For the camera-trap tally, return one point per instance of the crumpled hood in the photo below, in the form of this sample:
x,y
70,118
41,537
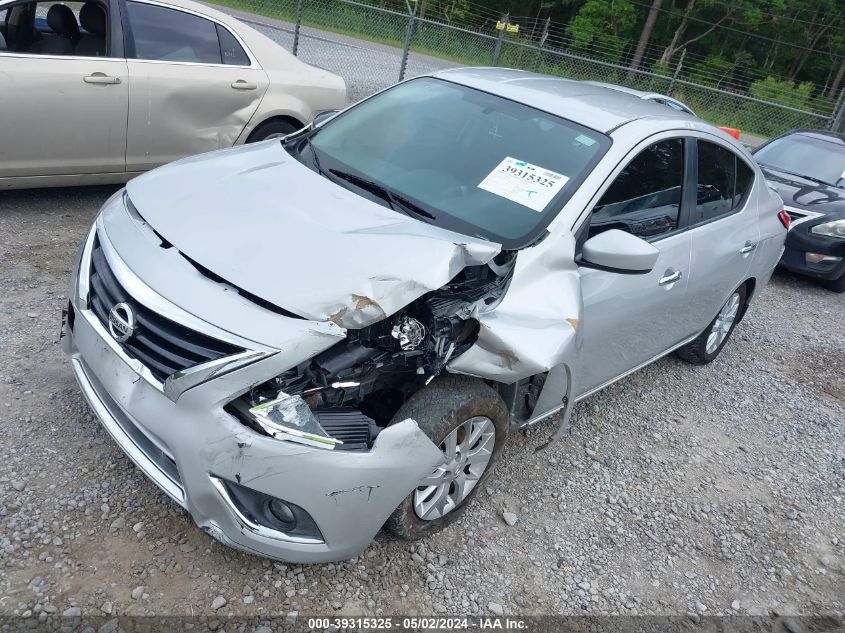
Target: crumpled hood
x,y
267,224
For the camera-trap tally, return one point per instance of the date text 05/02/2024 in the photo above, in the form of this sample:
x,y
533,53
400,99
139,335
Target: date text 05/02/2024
x,y
418,623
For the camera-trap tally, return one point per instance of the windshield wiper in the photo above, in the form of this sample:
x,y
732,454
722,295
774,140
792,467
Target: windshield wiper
x,y
391,197
314,155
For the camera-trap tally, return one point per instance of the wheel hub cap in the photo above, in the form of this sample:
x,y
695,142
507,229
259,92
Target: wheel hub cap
x,y
723,323
467,450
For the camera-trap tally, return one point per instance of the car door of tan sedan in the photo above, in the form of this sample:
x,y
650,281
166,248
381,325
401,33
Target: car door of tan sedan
x,y
62,115
182,99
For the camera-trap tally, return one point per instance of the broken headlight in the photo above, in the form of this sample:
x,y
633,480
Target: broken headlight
x,y
289,417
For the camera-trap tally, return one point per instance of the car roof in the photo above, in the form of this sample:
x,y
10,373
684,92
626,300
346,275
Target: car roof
x,y
593,106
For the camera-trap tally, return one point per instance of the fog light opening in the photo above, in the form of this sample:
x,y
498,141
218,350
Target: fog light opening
x,y
283,514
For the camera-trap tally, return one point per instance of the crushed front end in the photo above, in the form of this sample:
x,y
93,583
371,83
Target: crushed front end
x,y
275,432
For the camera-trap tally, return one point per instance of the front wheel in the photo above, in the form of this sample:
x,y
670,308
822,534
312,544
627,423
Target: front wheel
x,y
706,347
469,422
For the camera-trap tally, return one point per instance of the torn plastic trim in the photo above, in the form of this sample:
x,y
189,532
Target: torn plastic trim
x,y
178,383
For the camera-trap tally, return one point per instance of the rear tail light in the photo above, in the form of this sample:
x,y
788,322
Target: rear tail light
x,y
784,218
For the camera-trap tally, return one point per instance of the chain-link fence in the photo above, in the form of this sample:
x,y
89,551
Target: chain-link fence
x,y
374,43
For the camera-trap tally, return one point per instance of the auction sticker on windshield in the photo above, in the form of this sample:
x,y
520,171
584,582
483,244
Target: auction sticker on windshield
x,y
524,183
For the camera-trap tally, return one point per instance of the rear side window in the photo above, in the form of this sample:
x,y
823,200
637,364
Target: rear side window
x,y
232,52
645,198
724,181
169,35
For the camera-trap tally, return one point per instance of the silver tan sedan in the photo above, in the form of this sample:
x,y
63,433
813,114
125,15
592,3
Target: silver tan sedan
x,y
305,339
102,90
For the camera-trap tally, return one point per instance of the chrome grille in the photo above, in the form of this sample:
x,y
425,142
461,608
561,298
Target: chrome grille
x,y
162,345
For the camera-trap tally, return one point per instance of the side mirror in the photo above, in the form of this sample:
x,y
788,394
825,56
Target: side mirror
x,y
619,252
323,117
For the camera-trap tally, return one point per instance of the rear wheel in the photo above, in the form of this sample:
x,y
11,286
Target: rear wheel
x,y
276,128
469,422
706,347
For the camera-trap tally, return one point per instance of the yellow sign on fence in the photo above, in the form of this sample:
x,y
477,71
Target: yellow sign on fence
x,y
511,28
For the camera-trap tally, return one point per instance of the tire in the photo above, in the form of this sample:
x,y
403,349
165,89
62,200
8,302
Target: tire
x,y
441,410
835,285
696,352
275,128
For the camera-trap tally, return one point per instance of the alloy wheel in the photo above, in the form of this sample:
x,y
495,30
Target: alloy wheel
x,y
468,449
723,323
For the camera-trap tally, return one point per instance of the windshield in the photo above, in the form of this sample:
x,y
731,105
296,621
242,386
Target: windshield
x,y
809,156
460,158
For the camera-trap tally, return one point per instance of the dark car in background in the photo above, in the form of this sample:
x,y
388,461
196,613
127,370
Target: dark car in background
x,y
807,168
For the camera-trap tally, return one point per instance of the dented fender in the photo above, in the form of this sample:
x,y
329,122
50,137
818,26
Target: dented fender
x,y
534,327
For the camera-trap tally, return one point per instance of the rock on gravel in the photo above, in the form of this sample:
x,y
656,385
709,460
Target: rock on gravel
x,y
218,603
510,518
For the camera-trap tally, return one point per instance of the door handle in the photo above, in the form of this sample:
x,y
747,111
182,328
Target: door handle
x,y
100,78
240,84
670,277
748,248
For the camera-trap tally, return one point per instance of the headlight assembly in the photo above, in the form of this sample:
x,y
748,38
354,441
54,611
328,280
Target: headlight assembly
x,y
289,417
830,229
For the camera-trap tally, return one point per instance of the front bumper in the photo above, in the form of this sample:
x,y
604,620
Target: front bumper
x,y
188,445
799,242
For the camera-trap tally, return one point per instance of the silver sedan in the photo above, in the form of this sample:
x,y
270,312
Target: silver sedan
x,y
102,90
305,339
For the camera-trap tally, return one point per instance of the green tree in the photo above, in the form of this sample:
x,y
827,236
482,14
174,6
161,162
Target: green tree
x,y
603,28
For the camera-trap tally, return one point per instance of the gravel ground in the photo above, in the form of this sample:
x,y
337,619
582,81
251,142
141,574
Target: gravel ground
x,y
713,490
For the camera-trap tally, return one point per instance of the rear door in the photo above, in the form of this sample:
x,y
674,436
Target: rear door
x,y
193,85
725,230
61,113
630,319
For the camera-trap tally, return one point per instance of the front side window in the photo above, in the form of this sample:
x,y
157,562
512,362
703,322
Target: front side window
x,y
169,35
645,198
474,162
724,181
3,14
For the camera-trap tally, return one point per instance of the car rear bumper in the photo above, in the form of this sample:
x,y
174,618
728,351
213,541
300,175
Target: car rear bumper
x,y
190,446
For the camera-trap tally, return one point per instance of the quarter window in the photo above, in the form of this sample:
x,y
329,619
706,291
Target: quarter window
x,y
645,198
724,181
175,36
231,51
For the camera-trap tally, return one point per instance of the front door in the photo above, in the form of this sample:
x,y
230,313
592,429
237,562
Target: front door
x,y
630,319
193,86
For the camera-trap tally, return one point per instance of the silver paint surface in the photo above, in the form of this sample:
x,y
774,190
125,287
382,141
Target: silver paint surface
x,y
267,224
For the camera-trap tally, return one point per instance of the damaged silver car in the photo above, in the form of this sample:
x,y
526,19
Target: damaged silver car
x,y
304,340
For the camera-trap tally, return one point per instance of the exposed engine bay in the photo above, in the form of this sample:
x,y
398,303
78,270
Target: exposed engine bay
x,y
356,387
